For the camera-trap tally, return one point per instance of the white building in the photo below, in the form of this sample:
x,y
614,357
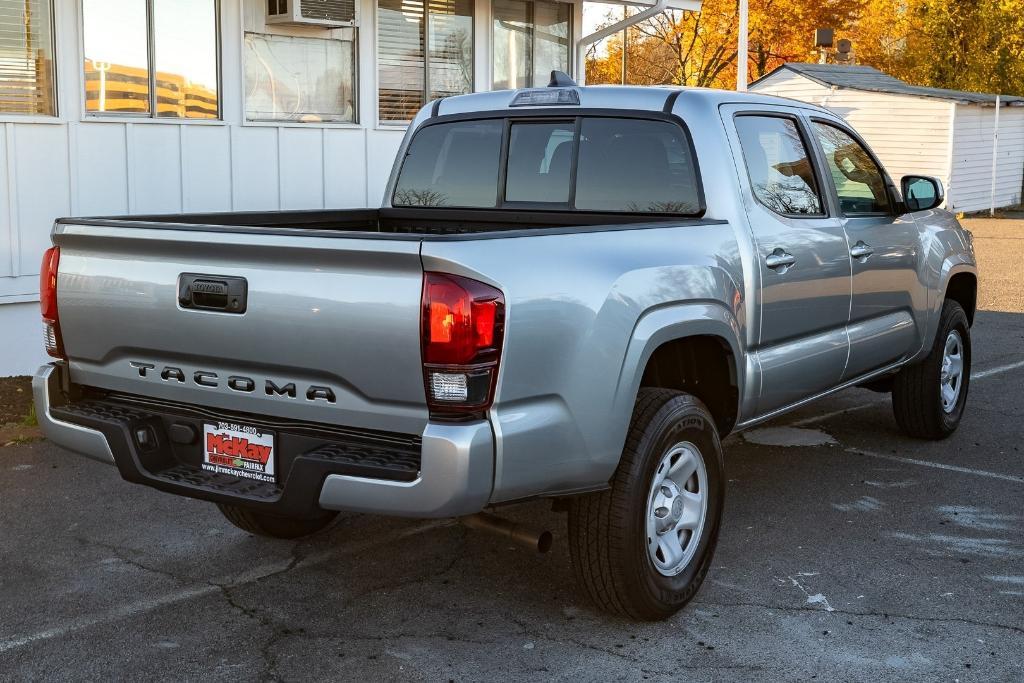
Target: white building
x,y
156,106
943,133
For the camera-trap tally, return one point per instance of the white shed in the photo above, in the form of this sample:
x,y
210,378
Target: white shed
x,y
945,133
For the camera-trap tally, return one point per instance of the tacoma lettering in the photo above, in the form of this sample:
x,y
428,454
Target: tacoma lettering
x,y
239,383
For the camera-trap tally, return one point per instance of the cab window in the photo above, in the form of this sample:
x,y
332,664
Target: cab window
x,y
781,174
860,183
606,164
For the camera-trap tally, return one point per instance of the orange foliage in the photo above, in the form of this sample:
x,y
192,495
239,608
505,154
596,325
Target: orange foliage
x,y
977,45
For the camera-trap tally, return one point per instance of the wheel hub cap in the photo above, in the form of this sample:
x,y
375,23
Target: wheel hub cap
x,y
676,508
951,372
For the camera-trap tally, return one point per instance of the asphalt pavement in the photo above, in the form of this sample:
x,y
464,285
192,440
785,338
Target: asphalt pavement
x,y
848,552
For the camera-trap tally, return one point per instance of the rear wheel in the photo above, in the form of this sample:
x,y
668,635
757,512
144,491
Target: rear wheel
x,y
928,397
274,526
642,548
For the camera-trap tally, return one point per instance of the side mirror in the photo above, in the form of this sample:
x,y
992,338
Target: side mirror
x,y
921,193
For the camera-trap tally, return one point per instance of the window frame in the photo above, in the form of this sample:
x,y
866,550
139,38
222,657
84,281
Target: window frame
x,y
812,157
558,114
532,71
55,117
152,116
395,123
889,186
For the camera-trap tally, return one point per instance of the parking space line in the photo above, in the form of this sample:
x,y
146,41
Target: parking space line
x,y
981,374
937,465
115,614
997,370
204,589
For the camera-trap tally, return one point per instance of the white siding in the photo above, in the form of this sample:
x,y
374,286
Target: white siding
x,y
21,339
909,134
971,186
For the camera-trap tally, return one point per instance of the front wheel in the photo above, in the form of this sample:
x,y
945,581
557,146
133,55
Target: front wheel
x,y
928,397
642,548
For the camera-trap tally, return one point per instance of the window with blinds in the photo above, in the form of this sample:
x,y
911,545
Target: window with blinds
x,y
424,51
26,58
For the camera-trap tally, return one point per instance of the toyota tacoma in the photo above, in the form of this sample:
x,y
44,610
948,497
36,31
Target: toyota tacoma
x,y
570,293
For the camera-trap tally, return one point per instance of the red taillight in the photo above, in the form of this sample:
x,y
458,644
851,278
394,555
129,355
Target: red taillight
x,y
48,283
48,302
462,330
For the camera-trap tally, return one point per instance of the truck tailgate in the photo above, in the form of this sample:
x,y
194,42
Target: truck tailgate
x,y
330,330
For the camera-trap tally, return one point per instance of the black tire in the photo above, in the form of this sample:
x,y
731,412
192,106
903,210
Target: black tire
x,y
607,530
273,526
916,393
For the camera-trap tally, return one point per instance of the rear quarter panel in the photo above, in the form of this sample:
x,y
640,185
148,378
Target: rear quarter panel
x,y
576,337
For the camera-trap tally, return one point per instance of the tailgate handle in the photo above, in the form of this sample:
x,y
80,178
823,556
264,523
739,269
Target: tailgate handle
x,y
212,292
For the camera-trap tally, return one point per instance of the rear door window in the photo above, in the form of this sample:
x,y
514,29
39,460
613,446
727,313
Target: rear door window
x,y
779,166
625,165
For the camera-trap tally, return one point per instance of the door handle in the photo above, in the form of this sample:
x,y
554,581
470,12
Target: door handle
x,y
779,259
212,292
861,250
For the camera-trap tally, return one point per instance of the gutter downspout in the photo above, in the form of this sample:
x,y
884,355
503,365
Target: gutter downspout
x,y
586,41
995,159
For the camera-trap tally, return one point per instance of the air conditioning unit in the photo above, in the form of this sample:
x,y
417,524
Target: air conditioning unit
x,y
323,13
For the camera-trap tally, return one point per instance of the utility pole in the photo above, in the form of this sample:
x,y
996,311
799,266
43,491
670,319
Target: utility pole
x,y
741,48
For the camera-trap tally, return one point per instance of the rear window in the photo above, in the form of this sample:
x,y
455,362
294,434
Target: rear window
x,y
622,165
454,164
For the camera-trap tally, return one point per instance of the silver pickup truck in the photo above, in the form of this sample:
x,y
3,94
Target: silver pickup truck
x,y
570,292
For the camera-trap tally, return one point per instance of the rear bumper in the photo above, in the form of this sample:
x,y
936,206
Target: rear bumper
x,y
446,472
48,393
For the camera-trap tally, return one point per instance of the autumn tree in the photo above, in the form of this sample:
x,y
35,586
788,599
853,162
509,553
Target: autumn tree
x,y
680,48
962,44
782,30
700,48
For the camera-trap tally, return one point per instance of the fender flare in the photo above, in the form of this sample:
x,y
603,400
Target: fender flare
x,y
952,265
668,323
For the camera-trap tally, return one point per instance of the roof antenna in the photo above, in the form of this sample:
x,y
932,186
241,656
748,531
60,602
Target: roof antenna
x,y
560,79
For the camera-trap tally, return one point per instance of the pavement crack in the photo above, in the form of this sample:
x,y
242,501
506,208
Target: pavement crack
x,y
277,629
277,632
125,555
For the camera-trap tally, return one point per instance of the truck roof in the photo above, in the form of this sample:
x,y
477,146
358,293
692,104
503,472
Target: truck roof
x,y
633,98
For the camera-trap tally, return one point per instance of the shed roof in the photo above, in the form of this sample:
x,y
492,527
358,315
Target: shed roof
x,y
871,79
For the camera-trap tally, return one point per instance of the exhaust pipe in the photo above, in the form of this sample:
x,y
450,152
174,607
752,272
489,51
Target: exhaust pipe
x,y
539,541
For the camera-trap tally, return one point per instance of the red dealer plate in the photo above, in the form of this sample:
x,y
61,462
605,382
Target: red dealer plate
x,y
239,450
